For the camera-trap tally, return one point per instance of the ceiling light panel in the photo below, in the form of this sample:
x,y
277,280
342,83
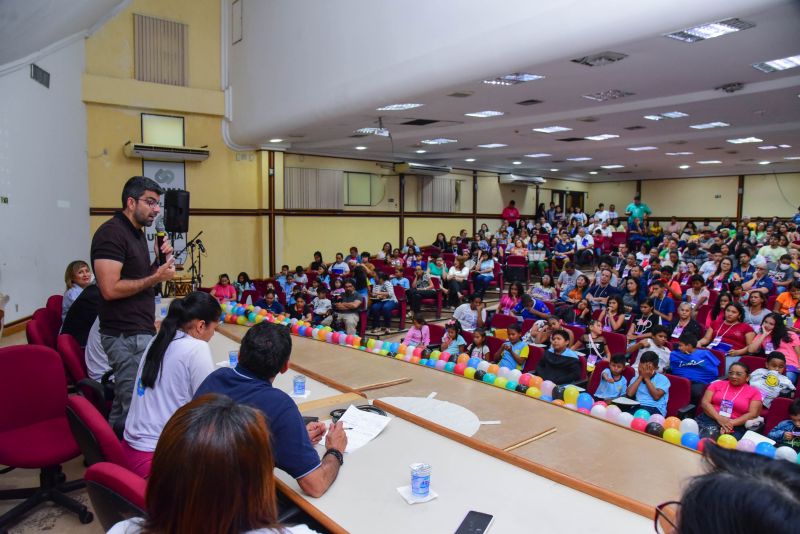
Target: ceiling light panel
x,y
612,166
420,151
513,79
579,159
485,114
642,148
611,94
764,162
382,132
710,30
666,115
792,157
684,166
538,155
438,141
742,140
778,64
552,129
679,153
707,125
601,137
469,160
709,162
492,145
399,107
361,148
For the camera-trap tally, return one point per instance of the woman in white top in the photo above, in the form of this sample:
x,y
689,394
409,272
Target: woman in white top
x,y
174,365
212,473
457,276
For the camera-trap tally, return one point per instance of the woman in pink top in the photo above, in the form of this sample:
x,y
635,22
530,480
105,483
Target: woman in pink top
x,y
510,300
775,337
728,404
419,335
224,290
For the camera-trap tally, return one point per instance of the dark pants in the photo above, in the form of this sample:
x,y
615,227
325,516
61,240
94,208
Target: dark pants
x,y
482,282
454,288
705,422
585,257
381,308
698,388
416,296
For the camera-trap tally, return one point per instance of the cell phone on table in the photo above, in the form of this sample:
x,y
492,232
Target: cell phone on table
x,y
475,523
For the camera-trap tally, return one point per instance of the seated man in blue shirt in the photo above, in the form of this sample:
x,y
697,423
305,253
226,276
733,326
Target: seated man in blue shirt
x,y
270,303
697,365
263,354
650,388
663,305
760,281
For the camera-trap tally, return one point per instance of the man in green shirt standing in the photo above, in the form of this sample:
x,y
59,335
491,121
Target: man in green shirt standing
x,y
637,209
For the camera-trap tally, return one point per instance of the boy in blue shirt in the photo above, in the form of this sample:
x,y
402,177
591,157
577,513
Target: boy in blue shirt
x,y
514,352
699,366
788,432
612,382
650,388
663,305
531,308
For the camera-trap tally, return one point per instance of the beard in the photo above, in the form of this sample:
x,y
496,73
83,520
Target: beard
x,y
143,218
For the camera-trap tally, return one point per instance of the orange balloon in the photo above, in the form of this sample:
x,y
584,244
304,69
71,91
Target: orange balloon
x,y
415,359
402,349
672,422
462,358
536,382
559,402
493,369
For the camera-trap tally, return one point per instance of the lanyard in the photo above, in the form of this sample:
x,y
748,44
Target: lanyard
x,y
726,393
593,345
726,331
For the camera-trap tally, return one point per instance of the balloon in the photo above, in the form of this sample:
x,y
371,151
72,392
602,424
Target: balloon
x,y
435,355
612,412
690,440
440,364
402,348
571,395
581,410
493,369
654,429
469,372
546,387
414,360
503,372
558,392
459,369
786,453
656,418
349,339
703,442
329,337
672,435
478,374
710,432
422,361
765,449
727,441
689,426
522,388
397,356
598,410
745,445
525,379
431,363
489,378
408,357
418,352
511,385
641,414
584,401
500,381
483,366
241,320
546,398
473,362
559,402
672,422
600,403
534,392
639,424
378,344
450,366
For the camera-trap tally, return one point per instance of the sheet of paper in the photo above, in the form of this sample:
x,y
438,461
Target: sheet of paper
x,y
361,427
757,438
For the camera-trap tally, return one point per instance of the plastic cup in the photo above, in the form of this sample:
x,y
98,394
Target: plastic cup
x,y
299,385
420,479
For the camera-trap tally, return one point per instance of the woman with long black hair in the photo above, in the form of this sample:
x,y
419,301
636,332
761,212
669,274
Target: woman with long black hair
x,y
174,365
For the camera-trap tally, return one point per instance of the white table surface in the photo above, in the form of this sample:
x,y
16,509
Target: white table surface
x,y
364,499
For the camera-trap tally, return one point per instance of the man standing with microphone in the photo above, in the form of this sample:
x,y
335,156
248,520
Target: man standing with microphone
x,y
126,279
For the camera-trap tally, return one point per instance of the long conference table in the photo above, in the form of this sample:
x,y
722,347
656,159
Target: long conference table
x,y
538,464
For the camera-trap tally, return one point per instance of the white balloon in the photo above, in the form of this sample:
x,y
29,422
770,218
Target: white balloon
x,y
503,372
689,425
612,412
624,419
515,374
786,453
599,411
483,366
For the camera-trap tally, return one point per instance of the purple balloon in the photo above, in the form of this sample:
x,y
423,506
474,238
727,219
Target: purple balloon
x,y
745,445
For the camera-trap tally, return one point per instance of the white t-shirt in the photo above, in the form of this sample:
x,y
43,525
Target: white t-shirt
x,y
586,241
187,362
770,384
134,526
468,317
96,358
663,355
321,306
453,271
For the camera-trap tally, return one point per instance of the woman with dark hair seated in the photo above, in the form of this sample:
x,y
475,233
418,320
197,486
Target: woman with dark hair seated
x,y
212,473
741,493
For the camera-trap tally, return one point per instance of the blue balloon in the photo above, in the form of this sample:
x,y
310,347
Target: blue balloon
x,y
585,401
301,331
473,362
765,449
423,361
641,414
547,398
431,363
395,347
449,366
690,440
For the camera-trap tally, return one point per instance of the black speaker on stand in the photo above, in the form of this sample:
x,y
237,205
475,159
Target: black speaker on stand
x,y
176,205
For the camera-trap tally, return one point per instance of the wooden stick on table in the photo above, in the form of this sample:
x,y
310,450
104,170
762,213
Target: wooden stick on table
x,y
522,443
380,385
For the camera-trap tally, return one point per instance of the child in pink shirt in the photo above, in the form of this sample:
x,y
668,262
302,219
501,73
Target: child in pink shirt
x,y
419,335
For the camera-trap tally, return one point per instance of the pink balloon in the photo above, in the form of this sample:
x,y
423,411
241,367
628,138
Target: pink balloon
x,y
599,403
547,388
656,418
582,410
746,445
639,424
525,379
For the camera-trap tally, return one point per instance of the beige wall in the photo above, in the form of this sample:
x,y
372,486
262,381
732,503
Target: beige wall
x,y
691,197
768,195
618,193
424,230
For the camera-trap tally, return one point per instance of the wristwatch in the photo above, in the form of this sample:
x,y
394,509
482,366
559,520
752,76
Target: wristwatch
x,y
336,454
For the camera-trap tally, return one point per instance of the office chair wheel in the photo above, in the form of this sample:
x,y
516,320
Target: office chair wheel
x,y
86,517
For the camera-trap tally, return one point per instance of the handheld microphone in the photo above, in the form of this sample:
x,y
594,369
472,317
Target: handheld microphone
x,y
201,246
161,235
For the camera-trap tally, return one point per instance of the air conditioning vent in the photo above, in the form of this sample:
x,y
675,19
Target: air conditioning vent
x,y
419,122
40,75
598,60
571,139
165,153
588,119
714,148
518,179
421,169
529,102
637,127
461,94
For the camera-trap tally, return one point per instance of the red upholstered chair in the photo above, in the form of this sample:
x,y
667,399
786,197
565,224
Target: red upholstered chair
x,y
500,320
494,344
468,337
437,332
535,355
55,304
754,362
72,356
577,331
702,314
618,238
93,433
680,397
37,334
116,493
253,295
51,319
721,357
35,434
599,367
527,324
778,411
617,343
517,263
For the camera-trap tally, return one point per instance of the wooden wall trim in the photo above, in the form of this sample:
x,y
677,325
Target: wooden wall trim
x,y
474,201
402,214
15,326
740,197
271,182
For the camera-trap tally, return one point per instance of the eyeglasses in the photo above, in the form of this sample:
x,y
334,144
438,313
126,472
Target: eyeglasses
x,y
151,202
666,519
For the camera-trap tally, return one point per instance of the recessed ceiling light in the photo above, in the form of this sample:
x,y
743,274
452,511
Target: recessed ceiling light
x,y
592,172
579,159
710,30
707,125
553,170
612,166
399,107
654,117
276,140
768,147
484,114
420,151
552,129
470,160
764,162
601,137
513,79
641,148
361,148
792,157
517,162
611,94
439,141
778,64
709,161
538,155
684,166
679,153
383,132
667,115
784,146
492,145
741,140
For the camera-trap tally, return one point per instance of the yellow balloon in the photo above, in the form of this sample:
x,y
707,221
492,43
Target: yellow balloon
x,y
571,395
673,435
727,441
534,392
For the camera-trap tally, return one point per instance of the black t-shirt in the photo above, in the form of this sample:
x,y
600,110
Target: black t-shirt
x,y
117,239
82,313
